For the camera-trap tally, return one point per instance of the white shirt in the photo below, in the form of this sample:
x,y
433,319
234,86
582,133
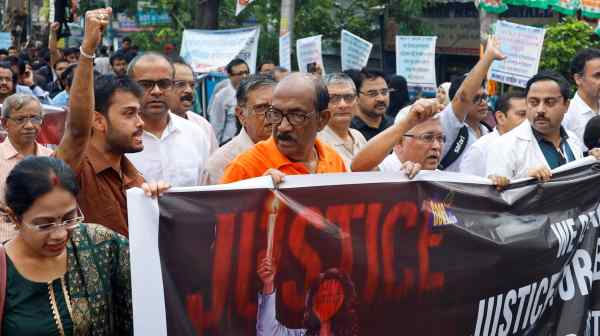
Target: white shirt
x,y
347,150
224,155
221,114
451,126
518,151
209,133
578,115
475,157
178,157
391,164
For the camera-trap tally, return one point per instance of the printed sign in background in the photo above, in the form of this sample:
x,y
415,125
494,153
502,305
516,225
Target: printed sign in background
x,y
309,51
355,51
415,61
442,255
5,40
211,50
522,46
285,56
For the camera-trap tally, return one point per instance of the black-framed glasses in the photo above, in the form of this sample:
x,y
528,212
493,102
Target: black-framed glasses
x,y
428,137
349,98
296,119
375,93
548,101
162,84
482,98
182,84
35,120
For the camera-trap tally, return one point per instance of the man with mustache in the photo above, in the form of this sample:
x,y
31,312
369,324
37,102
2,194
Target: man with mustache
x,y
8,81
173,151
104,123
511,111
253,98
417,140
22,119
118,63
298,112
182,101
540,143
342,104
373,101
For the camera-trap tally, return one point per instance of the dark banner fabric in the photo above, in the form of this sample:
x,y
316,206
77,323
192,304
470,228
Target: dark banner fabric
x,y
389,258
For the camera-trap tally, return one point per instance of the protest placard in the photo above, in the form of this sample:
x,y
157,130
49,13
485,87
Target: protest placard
x,y
5,40
309,53
211,50
444,247
285,56
522,46
415,61
355,51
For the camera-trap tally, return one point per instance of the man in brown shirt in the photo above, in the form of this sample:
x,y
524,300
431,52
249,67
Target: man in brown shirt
x,y
104,123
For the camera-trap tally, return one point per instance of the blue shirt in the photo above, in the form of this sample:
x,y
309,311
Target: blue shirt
x,y
61,99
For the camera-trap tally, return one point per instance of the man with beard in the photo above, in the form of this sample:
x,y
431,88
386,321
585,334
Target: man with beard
x,y
221,112
540,143
417,140
342,103
104,123
254,98
118,64
298,112
173,151
585,69
8,81
462,118
182,101
22,119
373,101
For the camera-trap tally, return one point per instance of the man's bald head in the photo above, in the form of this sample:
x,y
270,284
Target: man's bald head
x,y
149,58
304,81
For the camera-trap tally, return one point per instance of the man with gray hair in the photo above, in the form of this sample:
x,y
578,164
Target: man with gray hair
x,y
253,97
22,119
342,105
173,151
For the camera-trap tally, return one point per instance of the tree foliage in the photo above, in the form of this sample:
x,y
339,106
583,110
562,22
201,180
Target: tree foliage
x,y
562,41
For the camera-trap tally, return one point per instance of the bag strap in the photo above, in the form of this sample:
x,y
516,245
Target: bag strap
x,y
456,149
3,276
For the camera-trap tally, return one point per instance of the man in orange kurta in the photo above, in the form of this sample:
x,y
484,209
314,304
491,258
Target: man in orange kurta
x,y
298,112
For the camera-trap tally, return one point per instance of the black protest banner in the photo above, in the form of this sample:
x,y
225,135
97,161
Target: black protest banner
x,y
412,258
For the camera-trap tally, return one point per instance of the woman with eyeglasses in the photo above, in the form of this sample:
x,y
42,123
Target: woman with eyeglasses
x,y
59,276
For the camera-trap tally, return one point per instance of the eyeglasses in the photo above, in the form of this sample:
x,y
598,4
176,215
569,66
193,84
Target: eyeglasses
x,y
259,110
163,84
335,99
480,99
375,93
548,101
428,137
294,118
241,73
35,120
181,84
68,224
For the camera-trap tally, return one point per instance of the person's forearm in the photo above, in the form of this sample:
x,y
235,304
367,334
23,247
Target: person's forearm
x,y
81,102
375,151
470,86
52,46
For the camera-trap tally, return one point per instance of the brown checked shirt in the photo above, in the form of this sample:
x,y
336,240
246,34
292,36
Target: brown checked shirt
x,y
102,196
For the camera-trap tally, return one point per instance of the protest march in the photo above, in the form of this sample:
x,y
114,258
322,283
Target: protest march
x,y
201,188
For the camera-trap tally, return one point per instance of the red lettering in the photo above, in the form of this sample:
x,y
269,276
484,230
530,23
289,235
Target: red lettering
x,y
427,280
371,235
341,215
245,265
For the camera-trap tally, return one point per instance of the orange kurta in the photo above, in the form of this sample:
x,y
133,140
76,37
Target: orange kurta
x,y
265,154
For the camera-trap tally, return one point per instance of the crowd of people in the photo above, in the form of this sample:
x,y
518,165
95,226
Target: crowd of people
x,y
130,124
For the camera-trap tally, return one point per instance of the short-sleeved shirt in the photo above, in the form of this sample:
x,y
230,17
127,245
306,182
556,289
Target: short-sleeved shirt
x,y
368,131
346,149
265,155
102,189
451,126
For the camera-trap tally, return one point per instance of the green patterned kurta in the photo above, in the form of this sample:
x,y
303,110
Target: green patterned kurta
x,y
99,282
